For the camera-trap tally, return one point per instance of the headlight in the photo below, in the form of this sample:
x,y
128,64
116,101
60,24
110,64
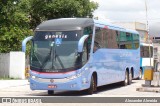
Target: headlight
x,y
74,76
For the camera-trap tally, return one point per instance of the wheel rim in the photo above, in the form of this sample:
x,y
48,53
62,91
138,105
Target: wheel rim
x,y
93,84
126,79
130,78
50,92
140,74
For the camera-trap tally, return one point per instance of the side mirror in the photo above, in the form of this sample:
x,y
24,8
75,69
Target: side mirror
x,y
81,43
24,43
157,67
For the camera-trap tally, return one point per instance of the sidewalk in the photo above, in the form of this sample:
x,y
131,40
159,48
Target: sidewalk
x,y
154,87
12,83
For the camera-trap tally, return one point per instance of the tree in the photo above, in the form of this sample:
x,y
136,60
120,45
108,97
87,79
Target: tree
x,y
18,18
52,9
14,24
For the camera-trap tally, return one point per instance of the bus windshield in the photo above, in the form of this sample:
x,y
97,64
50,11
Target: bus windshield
x,y
54,51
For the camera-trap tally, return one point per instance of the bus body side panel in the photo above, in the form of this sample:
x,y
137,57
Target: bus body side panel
x,y
111,64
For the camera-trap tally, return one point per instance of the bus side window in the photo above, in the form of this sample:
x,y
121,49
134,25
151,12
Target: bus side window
x,y
89,41
99,39
96,46
123,46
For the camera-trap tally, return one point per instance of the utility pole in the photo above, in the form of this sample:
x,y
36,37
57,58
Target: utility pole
x,y
147,25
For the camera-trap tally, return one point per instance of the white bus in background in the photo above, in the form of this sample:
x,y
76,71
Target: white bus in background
x,y
146,57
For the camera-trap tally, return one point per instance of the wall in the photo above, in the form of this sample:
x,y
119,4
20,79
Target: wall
x,y
132,25
129,25
4,64
13,65
17,65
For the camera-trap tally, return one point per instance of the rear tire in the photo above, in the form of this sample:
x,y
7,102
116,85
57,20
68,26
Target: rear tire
x,y
126,81
93,86
50,92
130,78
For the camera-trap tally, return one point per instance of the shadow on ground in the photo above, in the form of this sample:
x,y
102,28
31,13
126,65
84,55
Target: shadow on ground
x,y
80,93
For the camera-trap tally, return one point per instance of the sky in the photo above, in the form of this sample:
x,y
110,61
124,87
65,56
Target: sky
x,y
128,10
131,11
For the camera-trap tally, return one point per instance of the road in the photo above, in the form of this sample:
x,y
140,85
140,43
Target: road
x,y
21,88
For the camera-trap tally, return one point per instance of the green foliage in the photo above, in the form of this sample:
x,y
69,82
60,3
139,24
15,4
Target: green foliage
x,y
14,25
18,18
52,9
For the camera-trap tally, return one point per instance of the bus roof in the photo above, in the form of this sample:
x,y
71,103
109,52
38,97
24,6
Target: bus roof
x,y
114,27
77,24
65,24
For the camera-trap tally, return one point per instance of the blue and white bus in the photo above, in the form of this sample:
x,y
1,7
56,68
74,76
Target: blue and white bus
x,y
146,57
82,54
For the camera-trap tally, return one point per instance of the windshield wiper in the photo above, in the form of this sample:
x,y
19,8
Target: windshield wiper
x,y
60,61
36,55
37,58
47,58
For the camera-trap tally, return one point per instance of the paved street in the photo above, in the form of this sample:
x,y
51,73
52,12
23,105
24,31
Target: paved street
x,y
21,88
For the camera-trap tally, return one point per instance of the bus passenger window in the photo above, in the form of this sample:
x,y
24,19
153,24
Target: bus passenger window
x,y
122,46
96,46
89,41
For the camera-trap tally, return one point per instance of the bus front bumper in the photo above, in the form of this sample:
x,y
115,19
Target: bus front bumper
x,y
76,84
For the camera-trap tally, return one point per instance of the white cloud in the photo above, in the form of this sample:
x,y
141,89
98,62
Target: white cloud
x,y
128,10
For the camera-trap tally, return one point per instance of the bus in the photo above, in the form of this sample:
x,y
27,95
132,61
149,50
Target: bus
x,y
75,54
146,57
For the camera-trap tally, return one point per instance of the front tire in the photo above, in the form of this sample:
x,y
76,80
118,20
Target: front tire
x,y
93,85
50,92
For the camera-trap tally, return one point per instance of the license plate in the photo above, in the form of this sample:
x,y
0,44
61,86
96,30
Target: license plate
x,y
52,86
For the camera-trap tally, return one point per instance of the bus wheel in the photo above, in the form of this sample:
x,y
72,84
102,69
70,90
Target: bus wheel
x,y
140,74
126,81
50,92
130,78
93,85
